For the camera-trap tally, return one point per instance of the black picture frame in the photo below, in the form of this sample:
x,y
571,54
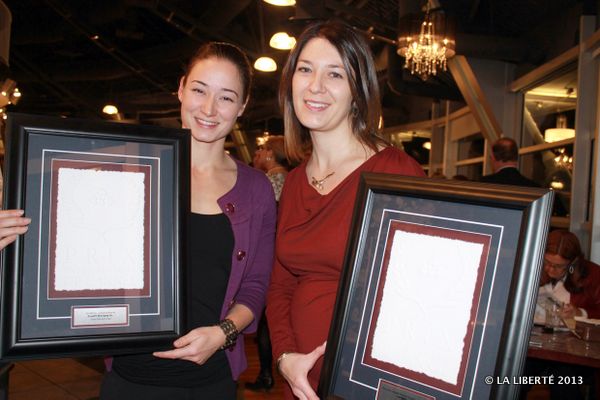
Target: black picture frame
x,y
100,270
403,305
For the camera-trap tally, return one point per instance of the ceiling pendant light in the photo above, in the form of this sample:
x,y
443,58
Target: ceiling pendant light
x,y
265,64
561,132
282,41
110,109
427,51
281,3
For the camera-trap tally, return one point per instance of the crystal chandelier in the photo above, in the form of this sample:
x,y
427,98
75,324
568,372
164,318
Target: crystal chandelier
x,y
427,51
9,95
563,160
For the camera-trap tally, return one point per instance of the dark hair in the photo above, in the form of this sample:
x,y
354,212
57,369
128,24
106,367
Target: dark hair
x,y
505,149
566,245
362,77
224,51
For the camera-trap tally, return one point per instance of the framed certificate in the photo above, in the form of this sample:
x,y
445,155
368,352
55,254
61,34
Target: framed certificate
x,y
438,290
100,270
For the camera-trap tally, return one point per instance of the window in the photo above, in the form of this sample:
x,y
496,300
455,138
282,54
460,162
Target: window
x,y
548,136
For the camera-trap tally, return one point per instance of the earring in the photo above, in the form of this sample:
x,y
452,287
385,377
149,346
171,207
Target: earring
x,y
354,109
572,266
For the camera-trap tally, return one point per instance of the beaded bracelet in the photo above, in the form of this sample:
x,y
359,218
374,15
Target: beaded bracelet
x,y
230,331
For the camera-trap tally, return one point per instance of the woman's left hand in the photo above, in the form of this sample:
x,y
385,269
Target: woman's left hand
x,y
197,346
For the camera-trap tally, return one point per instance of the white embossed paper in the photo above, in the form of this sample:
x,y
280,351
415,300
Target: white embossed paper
x,y
99,230
426,304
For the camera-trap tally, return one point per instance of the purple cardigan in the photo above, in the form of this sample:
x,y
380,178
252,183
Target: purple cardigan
x,y
250,206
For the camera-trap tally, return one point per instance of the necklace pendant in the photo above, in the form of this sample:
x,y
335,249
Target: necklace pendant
x,y
318,183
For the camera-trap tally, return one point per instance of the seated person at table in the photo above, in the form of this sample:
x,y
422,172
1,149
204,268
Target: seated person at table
x,y
568,279
574,282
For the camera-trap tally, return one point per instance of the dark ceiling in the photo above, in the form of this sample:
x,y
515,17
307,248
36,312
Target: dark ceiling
x,y
69,57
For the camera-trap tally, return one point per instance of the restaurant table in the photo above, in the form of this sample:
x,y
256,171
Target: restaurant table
x,y
565,347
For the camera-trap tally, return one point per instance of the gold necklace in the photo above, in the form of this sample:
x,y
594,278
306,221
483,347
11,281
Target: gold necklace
x,y
318,183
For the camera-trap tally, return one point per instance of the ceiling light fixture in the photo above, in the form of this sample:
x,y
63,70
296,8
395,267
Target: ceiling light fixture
x,y
563,160
281,3
553,92
265,64
261,140
428,50
7,90
282,41
9,95
110,109
557,185
561,132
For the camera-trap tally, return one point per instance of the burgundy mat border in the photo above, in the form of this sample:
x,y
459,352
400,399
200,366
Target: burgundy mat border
x,y
102,293
440,232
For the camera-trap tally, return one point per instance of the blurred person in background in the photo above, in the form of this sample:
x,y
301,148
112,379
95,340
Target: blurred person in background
x,y
270,158
505,161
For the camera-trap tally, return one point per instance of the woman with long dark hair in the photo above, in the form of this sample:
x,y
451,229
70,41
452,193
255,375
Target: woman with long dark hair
x,y
330,101
232,227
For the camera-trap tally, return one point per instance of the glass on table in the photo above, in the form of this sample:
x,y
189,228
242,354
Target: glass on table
x,y
553,315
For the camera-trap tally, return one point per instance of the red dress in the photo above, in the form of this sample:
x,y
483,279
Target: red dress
x,y
312,232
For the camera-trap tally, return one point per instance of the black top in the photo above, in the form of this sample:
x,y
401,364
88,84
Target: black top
x,y
210,247
509,176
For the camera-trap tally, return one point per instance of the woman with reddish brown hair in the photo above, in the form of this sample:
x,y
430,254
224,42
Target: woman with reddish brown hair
x,y
568,278
573,282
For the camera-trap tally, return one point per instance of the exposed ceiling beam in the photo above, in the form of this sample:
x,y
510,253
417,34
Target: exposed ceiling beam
x,y
194,28
358,13
108,47
220,14
60,91
503,48
475,98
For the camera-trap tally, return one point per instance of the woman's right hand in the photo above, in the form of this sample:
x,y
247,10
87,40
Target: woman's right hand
x,y
12,223
294,367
